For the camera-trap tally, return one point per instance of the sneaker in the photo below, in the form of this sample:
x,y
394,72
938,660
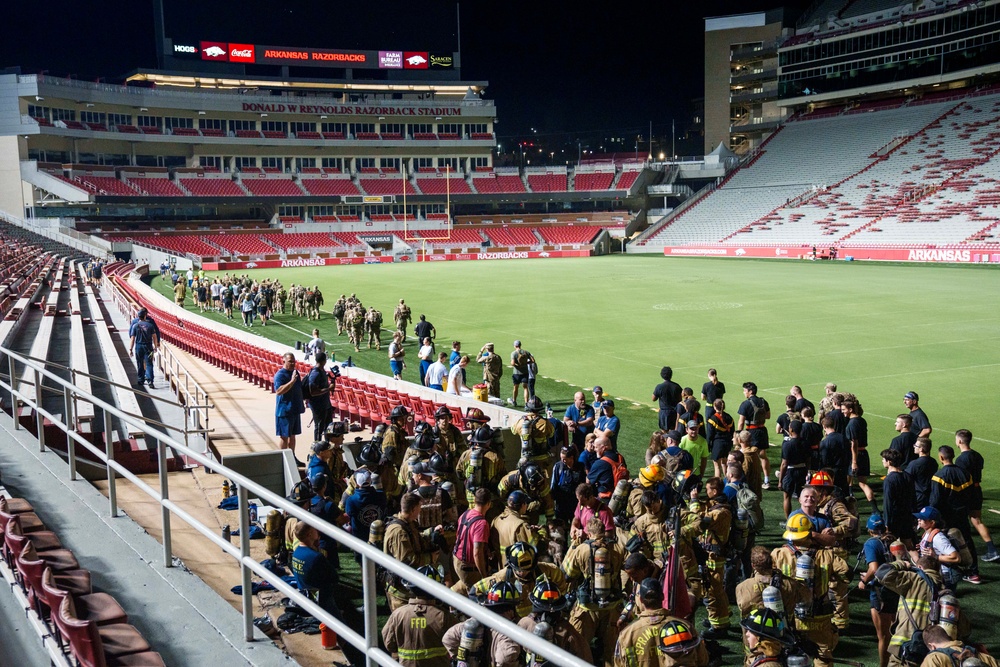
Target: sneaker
x,y
716,632
765,486
150,383
973,579
991,557
510,401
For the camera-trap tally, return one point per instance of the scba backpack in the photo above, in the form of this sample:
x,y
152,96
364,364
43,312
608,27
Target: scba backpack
x,y
954,536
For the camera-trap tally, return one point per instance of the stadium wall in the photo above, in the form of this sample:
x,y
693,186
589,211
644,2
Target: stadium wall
x,y
899,254
387,259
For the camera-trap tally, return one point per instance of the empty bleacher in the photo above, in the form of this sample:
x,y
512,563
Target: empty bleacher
x,y
330,186
241,244
497,183
589,181
547,182
272,187
301,242
511,236
384,184
181,244
212,187
439,184
157,187
568,234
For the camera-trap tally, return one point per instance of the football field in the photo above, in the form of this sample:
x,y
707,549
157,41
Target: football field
x,y
876,330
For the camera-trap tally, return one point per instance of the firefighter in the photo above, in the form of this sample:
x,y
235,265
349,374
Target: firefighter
x,y
404,542
339,470
480,466
450,441
548,605
680,645
637,643
394,442
523,570
421,449
714,524
534,430
495,649
595,568
510,526
414,631
651,529
637,568
765,635
530,478
750,592
370,459
822,566
844,525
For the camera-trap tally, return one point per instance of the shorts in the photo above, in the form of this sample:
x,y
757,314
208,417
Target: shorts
x,y
884,601
864,468
396,367
975,498
288,425
793,480
520,378
667,419
758,438
721,449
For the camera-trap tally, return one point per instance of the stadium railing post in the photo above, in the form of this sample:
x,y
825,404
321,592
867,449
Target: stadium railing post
x,y
161,450
109,450
68,417
39,419
371,615
13,392
244,570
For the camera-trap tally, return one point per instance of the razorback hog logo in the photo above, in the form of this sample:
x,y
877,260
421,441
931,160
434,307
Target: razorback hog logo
x,y
214,52
416,60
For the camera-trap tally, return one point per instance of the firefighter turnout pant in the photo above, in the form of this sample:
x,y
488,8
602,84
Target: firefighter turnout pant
x,y
714,590
820,630
601,625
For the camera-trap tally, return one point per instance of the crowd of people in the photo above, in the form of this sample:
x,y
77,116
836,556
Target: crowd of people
x,y
613,566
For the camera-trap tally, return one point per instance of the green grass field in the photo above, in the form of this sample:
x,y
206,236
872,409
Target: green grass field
x,y
877,330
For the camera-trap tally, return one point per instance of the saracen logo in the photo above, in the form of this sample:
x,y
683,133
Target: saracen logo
x,y
241,53
251,265
185,48
415,60
544,254
311,261
214,51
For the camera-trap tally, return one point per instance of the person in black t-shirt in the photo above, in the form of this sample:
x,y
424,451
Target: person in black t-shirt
x,y
692,410
972,462
719,428
921,470
758,431
794,460
781,428
801,402
857,435
712,391
921,425
903,443
668,393
835,454
812,435
898,498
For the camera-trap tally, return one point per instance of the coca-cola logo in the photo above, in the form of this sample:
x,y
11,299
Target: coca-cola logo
x,y
241,53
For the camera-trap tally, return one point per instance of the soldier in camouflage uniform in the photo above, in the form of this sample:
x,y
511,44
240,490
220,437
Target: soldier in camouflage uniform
x,y
373,320
357,327
402,317
298,300
282,299
339,311
317,302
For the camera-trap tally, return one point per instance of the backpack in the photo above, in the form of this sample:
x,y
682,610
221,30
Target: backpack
x,y
759,413
619,470
954,536
958,656
462,537
748,501
338,310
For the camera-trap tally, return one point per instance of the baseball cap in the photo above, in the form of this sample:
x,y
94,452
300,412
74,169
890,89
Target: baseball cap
x,y
693,423
929,514
517,343
598,389
876,522
911,395
362,478
609,403
142,312
320,446
675,436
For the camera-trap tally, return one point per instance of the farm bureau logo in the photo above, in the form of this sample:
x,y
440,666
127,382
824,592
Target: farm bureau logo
x,y
311,261
502,255
939,256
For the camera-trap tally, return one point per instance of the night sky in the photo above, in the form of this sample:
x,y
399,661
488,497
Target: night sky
x,y
592,71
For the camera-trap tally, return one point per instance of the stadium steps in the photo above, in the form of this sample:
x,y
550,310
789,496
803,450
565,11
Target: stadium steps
x,y
180,616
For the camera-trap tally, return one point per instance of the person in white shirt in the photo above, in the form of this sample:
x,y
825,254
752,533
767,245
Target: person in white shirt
x,y
316,345
437,372
456,377
426,356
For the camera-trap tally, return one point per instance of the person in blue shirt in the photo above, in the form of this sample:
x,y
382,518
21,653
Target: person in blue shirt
x,y
589,453
317,390
602,472
144,340
319,459
822,531
315,576
608,424
288,406
567,474
883,602
579,419
364,506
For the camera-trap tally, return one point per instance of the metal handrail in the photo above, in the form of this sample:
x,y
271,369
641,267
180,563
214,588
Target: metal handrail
x,y
367,641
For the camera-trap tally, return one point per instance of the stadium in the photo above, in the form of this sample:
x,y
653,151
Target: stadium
x,y
842,224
